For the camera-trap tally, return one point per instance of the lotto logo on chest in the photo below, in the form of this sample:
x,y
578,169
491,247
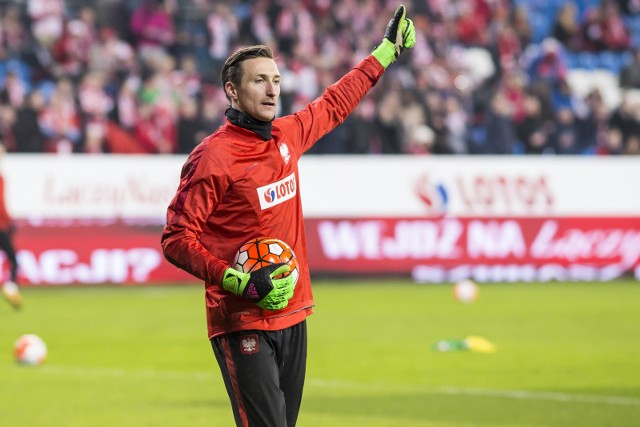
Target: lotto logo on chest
x,y
277,192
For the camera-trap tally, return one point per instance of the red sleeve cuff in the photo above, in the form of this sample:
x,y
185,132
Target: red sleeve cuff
x,y
371,68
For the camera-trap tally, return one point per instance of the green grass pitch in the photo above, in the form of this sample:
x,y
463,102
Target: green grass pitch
x,y
568,354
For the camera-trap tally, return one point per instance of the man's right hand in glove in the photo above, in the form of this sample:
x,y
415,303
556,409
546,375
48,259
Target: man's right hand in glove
x,y
260,287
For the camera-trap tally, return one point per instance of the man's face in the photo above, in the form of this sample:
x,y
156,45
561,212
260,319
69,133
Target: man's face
x,y
259,89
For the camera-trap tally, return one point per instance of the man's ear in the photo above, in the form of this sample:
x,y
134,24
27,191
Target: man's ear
x,y
230,90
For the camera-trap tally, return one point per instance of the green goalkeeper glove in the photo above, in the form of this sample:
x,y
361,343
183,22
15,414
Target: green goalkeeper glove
x,y
400,35
260,287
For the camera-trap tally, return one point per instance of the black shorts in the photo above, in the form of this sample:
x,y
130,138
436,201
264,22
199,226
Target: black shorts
x,y
264,372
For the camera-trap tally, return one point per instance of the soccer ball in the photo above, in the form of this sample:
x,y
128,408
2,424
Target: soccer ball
x,y
263,251
465,291
29,349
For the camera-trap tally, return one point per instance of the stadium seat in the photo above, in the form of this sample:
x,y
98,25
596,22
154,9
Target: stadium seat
x,y
518,147
587,60
611,61
632,22
572,59
477,139
541,25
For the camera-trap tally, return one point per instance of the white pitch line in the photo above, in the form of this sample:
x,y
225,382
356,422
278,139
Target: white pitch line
x,y
485,392
128,373
320,383
542,395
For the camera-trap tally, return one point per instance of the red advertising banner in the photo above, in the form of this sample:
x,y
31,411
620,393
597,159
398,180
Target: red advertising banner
x,y
432,250
59,253
486,249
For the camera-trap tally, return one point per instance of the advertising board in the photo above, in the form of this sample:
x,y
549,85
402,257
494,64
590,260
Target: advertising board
x,y
97,219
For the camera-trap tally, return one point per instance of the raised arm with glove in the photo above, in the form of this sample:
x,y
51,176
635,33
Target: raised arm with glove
x,y
400,35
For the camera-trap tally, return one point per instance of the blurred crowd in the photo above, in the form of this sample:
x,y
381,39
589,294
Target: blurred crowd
x,y
485,76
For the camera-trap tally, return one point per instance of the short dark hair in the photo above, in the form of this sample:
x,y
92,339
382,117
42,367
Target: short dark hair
x,y
232,68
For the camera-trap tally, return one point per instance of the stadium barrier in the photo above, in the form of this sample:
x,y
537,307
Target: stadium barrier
x,y
86,219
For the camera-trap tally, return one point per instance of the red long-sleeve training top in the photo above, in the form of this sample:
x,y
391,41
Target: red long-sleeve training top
x,y
5,217
236,186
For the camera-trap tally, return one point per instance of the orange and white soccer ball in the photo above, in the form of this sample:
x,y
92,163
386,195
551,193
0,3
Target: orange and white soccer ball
x,y
465,291
263,251
30,349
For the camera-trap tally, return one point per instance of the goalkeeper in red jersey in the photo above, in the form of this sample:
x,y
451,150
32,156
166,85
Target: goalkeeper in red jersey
x,y
10,289
227,195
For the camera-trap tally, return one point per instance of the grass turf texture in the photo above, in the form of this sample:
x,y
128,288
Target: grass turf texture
x,y
567,355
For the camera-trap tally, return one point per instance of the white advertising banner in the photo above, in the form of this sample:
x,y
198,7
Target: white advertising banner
x,y
90,187
470,186
97,219
130,187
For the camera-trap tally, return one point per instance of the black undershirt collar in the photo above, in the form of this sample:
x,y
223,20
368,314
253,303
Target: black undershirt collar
x,y
242,119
